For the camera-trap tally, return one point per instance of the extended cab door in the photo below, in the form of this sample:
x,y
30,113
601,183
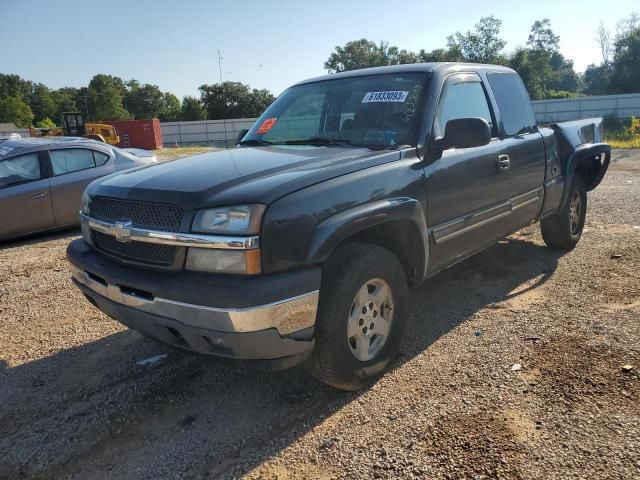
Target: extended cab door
x,y
523,154
25,201
467,192
73,169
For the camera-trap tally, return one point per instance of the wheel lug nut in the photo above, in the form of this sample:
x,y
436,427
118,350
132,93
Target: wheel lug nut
x,y
364,330
361,322
371,306
371,326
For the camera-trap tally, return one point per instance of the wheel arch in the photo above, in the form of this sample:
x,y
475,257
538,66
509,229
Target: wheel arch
x,y
397,224
590,162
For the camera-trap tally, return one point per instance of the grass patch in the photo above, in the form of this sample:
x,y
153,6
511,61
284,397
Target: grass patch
x,y
617,142
164,154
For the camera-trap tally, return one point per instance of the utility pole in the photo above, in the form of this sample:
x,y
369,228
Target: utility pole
x,y
86,106
224,120
220,66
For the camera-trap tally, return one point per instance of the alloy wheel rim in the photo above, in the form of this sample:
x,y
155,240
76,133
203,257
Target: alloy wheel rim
x,y
370,318
575,210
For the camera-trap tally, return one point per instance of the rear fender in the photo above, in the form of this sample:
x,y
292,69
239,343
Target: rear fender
x,y
591,161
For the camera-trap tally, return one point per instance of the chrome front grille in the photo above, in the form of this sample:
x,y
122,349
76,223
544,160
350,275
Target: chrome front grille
x,y
153,216
156,216
158,255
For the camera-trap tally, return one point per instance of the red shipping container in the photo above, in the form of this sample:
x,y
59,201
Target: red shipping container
x,y
138,133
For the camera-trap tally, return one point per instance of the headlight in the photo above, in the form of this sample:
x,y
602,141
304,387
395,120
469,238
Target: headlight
x,y
84,203
246,262
244,219
240,220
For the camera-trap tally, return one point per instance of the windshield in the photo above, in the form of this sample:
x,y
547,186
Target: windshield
x,y
376,112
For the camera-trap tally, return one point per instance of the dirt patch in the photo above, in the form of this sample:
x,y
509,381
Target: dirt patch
x,y
76,403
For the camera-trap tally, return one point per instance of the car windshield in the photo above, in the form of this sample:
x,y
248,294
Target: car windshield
x,y
376,111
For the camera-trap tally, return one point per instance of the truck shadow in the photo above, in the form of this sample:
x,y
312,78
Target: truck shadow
x,y
92,411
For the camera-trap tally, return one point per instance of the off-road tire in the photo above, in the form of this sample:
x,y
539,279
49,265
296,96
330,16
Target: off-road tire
x,y
348,269
558,230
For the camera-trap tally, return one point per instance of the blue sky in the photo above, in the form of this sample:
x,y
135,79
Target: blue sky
x,y
267,44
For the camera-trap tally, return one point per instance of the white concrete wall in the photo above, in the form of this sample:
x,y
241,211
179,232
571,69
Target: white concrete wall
x,y
204,132
212,132
560,110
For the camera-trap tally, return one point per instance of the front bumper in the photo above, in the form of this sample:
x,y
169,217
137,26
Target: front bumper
x,y
259,317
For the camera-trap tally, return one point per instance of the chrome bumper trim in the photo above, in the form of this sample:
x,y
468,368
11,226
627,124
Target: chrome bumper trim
x,y
124,232
287,316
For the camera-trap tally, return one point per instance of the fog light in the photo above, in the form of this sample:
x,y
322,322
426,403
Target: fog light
x,y
224,261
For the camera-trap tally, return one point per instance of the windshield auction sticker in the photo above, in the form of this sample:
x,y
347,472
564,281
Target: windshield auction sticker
x,y
267,125
396,96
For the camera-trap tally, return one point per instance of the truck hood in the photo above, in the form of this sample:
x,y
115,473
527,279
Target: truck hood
x,y
237,176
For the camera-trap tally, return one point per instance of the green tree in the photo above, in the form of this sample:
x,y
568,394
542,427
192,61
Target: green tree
x,y
597,79
41,102
541,37
483,45
14,110
543,45
192,109
170,108
14,86
364,53
234,100
440,55
105,96
562,76
67,99
142,101
46,123
625,77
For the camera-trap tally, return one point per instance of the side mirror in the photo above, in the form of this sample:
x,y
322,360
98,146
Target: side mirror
x,y
465,133
241,135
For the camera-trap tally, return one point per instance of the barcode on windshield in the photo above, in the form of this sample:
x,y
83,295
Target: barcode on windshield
x,y
396,96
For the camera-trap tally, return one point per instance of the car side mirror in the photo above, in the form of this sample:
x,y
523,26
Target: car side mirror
x,y
465,133
241,135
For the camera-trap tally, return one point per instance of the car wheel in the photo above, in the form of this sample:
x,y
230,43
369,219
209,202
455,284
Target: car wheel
x,y
361,316
563,229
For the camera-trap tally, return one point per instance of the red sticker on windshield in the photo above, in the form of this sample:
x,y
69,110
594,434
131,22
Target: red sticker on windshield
x,y
267,125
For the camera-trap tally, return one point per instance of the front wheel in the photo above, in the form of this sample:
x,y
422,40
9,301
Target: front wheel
x,y
361,316
563,229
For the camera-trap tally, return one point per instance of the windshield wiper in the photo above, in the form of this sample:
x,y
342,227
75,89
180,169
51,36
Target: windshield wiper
x,y
318,141
255,143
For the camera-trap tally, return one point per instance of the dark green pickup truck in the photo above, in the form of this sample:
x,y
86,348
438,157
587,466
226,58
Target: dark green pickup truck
x,y
301,244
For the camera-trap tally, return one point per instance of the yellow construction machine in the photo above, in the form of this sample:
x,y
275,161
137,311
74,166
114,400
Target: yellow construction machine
x,y
73,126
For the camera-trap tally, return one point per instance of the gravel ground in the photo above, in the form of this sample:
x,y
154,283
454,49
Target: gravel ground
x,y
74,402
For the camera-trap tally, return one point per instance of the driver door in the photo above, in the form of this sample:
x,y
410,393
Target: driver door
x,y
467,191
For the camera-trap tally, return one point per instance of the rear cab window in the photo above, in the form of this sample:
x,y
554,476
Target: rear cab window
x,y
513,102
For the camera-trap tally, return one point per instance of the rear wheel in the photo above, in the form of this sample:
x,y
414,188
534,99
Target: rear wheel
x,y
361,317
563,229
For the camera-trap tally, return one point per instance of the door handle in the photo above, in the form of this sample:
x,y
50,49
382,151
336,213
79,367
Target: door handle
x,y
504,162
39,195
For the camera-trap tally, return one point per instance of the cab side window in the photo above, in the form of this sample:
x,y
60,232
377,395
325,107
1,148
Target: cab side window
x,y
75,159
513,102
20,169
462,97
